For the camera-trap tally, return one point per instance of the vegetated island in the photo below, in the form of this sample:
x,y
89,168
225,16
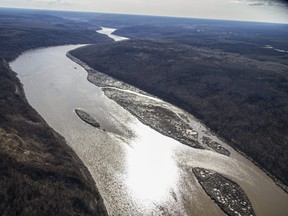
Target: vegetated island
x,y
215,145
87,118
40,173
153,114
228,195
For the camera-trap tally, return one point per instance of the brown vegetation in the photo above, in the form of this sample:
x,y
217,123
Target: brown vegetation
x,y
227,194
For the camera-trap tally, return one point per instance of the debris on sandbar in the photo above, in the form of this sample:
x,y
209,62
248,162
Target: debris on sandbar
x,y
227,194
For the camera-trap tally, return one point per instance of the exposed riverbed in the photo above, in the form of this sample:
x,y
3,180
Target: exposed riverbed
x,y
138,170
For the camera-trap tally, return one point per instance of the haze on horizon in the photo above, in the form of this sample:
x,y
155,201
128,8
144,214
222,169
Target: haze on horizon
x,y
246,10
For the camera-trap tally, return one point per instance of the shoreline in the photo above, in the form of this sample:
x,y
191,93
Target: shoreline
x,y
180,128
72,173
277,182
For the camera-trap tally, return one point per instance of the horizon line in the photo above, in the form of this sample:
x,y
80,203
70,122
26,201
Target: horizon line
x,y
150,15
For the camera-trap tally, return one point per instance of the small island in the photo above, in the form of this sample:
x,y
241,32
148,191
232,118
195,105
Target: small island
x,y
87,118
228,195
217,147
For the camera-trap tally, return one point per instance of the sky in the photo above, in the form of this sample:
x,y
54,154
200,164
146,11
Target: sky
x,y
248,10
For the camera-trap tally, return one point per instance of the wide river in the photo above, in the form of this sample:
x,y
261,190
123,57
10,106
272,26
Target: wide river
x,y
137,170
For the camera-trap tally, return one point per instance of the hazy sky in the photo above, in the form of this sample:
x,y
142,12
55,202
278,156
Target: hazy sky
x,y
252,10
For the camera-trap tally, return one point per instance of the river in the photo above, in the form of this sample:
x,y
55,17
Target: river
x,y
137,170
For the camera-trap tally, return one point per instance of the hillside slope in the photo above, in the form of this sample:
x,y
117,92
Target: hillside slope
x,y
40,174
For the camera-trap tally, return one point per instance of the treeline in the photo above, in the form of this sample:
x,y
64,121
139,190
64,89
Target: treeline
x,y
245,38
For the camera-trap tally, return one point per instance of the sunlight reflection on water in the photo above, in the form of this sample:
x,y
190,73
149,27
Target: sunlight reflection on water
x,y
152,172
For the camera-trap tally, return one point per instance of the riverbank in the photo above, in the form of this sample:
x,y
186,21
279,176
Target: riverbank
x,y
40,173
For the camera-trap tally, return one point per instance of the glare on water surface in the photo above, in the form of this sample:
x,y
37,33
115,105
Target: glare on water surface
x,y
152,172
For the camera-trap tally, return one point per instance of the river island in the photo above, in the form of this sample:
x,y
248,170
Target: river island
x,y
87,118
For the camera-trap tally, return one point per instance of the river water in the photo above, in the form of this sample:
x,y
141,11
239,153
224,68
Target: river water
x,y
137,170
